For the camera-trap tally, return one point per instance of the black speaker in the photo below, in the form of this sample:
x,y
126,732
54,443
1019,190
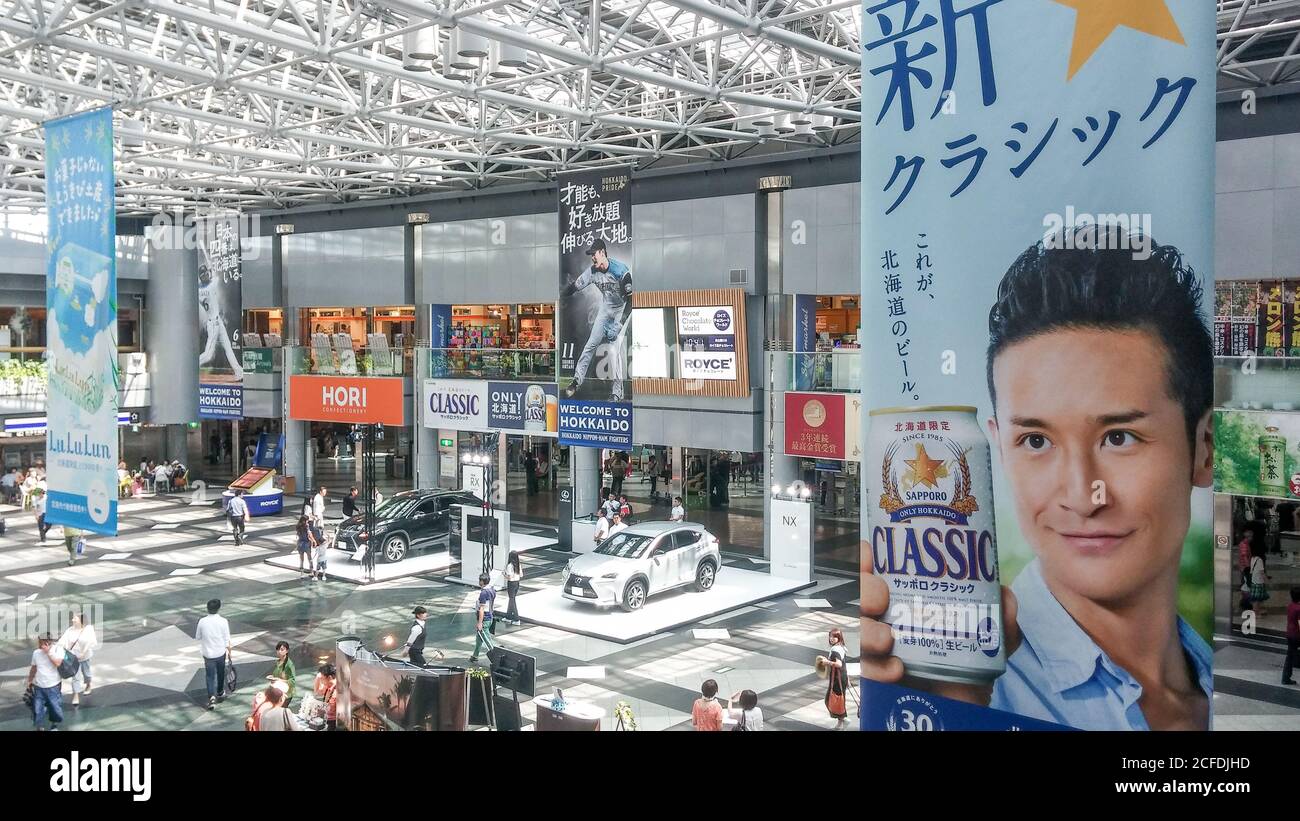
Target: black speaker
x,y
508,713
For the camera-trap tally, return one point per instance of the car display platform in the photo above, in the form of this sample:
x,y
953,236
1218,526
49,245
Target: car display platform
x,y
662,612
341,565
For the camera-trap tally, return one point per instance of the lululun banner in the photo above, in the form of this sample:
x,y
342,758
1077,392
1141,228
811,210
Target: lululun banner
x,y
1037,184
594,311
81,300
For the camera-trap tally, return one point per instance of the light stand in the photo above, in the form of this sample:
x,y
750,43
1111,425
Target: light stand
x,y
488,463
368,493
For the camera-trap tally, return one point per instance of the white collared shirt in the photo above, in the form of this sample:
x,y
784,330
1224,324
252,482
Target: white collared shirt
x,y
213,635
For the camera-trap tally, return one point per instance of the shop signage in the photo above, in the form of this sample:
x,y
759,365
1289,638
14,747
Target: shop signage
x,y
81,305
593,313
456,404
822,425
596,424
37,425
791,540
706,340
1257,453
1044,161
470,404
805,340
221,305
258,360
348,399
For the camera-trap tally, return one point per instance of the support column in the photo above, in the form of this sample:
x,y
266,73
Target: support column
x,y
777,343
295,453
584,473
176,444
171,299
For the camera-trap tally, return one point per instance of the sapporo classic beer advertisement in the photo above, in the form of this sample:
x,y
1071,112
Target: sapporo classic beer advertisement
x,y
1038,442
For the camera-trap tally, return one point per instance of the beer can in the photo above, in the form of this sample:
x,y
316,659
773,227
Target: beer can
x,y
535,408
931,535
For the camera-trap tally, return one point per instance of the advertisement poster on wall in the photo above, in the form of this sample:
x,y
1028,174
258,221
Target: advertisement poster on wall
x,y
706,340
1236,312
805,340
221,368
1035,259
595,305
476,405
823,425
1257,453
81,305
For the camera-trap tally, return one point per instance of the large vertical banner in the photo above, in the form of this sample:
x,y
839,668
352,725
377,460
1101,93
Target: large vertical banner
x,y
595,308
81,300
221,307
1038,280
805,341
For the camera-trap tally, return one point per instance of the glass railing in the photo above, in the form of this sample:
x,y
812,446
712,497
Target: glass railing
x,y
262,360
486,363
360,362
838,371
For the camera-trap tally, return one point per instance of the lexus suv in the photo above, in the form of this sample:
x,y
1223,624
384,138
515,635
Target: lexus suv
x,y
641,561
407,521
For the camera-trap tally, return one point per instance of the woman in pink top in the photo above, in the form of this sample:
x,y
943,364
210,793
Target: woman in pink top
x,y
706,713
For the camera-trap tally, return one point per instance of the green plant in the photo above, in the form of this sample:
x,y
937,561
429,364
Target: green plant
x,y
623,712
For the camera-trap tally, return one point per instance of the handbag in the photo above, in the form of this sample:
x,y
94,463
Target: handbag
x,y
232,677
740,727
81,546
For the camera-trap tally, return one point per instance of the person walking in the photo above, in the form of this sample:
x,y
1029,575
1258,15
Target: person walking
x,y
617,473
514,573
706,712
1292,637
306,542
487,597
213,635
530,472
837,679
79,641
652,473
350,507
1258,579
284,671
38,510
748,717
71,537
318,508
238,513
415,639
45,684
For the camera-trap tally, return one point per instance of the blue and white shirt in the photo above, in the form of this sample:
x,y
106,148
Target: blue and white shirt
x,y
610,283
1060,674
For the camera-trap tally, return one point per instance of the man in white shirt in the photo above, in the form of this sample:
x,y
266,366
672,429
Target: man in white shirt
x,y
618,525
46,684
679,512
10,484
214,643
318,508
162,475
602,528
238,512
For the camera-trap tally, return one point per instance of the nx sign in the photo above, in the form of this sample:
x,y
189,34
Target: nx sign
x,y
792,540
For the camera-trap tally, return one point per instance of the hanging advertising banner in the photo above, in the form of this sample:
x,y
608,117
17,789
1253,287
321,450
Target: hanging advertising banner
x,y
596,424
81,305
594,311
1257,453
1293,324
353,400
455,404
706,342
1236,308
221,310
439,338
477,405
823,425
1272,319
1037,250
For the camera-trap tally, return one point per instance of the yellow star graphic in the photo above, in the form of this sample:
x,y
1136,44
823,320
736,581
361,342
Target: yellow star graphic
x,y
923,470
1095,20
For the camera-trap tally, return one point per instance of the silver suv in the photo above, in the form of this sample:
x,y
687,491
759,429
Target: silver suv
x,y
642,561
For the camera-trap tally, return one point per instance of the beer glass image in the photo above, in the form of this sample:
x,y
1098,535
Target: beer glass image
x,y
552,413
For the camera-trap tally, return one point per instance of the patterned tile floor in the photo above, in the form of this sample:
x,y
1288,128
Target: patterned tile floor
x,y
148,675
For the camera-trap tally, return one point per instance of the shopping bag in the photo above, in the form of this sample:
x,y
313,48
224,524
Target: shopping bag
x,y
81,546
232,677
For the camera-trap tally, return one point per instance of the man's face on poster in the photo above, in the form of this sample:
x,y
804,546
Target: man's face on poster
x,y
1098,457
600,260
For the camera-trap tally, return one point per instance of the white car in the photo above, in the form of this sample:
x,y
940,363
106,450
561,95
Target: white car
x,y
642,561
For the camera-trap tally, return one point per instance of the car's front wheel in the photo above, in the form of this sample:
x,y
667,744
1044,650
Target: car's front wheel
x,y
705,575
395,548
634,595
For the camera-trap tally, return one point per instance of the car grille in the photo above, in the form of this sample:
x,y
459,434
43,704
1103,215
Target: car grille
x,y
583,585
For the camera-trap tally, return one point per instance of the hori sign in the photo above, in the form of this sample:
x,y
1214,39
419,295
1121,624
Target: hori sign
x,y
351,400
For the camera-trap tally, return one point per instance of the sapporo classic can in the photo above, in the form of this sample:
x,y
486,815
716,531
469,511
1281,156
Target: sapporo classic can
x,y
932,540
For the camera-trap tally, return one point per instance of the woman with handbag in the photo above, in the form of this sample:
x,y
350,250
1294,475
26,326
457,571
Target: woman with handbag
x,y
748,717
837,679
80,642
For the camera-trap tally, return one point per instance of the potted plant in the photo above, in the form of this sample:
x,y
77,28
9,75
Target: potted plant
x,y
481,709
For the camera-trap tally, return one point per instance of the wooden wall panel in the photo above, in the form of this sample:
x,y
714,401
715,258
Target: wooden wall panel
x,y
728,389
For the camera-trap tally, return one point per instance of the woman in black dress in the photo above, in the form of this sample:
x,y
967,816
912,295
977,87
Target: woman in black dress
x,y
837,680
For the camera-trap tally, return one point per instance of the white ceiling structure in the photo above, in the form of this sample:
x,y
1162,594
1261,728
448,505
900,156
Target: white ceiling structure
x,y
268,104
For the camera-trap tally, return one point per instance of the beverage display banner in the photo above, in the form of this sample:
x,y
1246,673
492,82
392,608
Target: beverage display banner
x,y
469,404
594,310
81,305
221,307
706,341
1037,252
823,425
1257,453
375,400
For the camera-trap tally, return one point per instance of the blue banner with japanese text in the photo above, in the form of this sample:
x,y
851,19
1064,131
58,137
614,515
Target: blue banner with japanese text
x,y
1037,247
81,300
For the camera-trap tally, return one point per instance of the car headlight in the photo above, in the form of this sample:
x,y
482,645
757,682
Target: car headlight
x,y
610,576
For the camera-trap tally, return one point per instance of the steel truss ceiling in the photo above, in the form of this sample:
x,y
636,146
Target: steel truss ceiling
x,y
253,104
274,103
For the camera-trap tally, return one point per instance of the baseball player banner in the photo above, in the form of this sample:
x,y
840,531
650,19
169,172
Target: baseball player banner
x,y
81,300
221,372
595,305
1037,283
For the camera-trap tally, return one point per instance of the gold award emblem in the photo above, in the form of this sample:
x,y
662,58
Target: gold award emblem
x,y
814,413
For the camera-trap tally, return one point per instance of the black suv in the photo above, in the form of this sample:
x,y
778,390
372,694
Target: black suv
x,y
411,520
